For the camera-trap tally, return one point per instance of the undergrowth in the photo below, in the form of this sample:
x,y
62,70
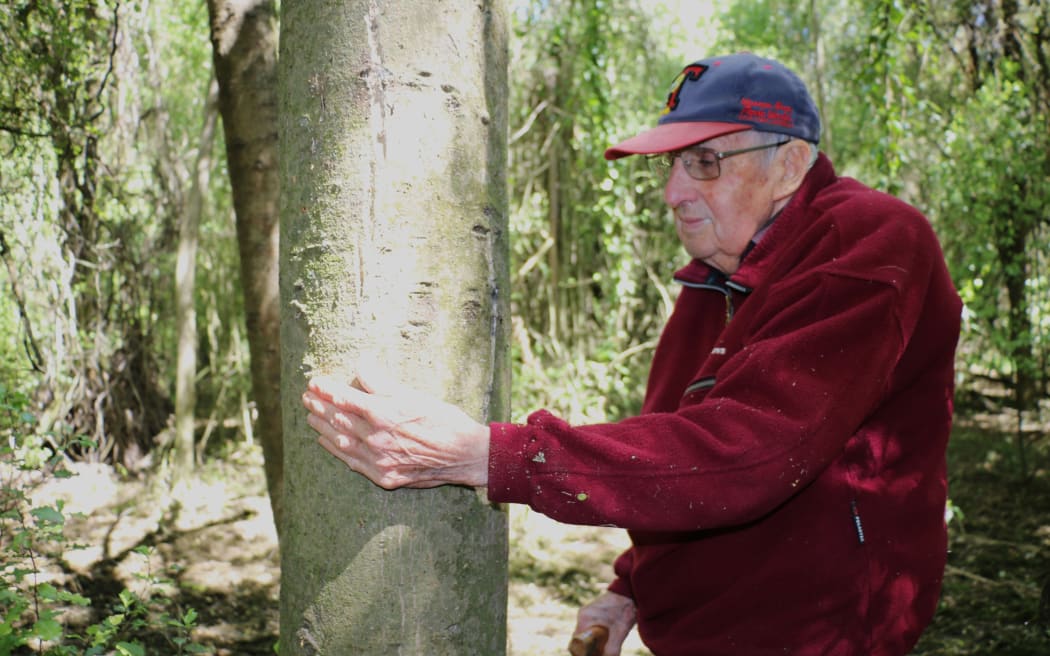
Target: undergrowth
x,y
994,600
34,605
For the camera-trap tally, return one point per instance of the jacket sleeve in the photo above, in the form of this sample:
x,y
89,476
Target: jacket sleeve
x,y
799,376
621,585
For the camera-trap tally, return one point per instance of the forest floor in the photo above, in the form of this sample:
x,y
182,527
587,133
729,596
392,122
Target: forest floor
x,y
218,553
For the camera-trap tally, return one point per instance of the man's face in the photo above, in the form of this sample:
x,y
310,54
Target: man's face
x,y
716,219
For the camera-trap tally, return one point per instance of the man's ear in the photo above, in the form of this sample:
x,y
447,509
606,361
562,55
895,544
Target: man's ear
x,y
792,165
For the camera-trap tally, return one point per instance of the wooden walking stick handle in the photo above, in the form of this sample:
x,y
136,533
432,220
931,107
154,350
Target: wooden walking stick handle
x,y
589,642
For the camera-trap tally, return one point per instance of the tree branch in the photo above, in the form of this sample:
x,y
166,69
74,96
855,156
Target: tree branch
x,y
32,351
22,133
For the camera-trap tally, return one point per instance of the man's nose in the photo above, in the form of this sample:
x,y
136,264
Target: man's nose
x,y
680,186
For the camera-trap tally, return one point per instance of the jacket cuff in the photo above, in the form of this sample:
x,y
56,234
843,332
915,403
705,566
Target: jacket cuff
x,y
508,474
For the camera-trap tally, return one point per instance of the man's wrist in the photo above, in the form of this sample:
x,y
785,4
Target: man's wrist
x,y
479,470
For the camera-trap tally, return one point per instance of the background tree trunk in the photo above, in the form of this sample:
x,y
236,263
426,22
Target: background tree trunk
x,y
244,43
393,157
185,307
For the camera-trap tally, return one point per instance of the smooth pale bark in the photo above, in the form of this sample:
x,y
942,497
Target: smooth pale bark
x,y
244,45
185,285
393,221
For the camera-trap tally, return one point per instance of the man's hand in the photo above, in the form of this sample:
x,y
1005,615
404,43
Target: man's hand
x,y
613,611
395,436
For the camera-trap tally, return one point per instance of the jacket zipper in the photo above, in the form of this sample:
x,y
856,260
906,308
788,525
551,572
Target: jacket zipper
x,y
726,290
725,287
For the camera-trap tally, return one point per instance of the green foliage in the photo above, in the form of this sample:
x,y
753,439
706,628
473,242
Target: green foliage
x,y
45,42
1003,193
13,356
592,249
32,609
133,615
768,27
101,105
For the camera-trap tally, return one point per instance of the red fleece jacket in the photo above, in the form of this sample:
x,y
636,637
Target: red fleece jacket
x,y
784,487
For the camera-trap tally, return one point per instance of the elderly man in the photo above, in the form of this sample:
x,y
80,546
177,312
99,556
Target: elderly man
x,y
784,485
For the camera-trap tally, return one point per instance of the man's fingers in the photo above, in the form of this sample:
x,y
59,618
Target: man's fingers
x,y
344,430
323,412
336,442
314,403
337,390
336,450
388,480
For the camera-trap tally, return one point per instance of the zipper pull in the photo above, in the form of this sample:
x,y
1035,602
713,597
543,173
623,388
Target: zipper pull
x,y
856,521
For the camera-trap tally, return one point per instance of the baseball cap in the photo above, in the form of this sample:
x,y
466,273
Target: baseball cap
x,y
721,95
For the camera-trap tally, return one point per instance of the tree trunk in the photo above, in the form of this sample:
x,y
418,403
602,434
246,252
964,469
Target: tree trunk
x,y
185,285
819,74
244,42
394,219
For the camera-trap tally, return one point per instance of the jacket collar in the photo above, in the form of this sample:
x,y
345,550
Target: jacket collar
x,y
760,257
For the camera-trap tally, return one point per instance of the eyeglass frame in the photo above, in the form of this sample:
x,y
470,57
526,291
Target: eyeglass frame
x,y
662,163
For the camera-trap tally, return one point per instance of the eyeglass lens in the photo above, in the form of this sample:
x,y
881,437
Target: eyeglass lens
x,y
699,163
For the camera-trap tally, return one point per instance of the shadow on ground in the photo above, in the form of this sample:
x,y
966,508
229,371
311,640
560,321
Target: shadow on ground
x,y
216,553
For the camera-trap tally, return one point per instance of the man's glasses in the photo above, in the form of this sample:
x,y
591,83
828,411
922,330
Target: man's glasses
x,y
699,162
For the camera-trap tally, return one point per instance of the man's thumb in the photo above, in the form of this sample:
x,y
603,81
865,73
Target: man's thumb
x,y
373,378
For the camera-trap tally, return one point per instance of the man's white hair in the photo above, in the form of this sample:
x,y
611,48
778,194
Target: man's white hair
x,y
763,137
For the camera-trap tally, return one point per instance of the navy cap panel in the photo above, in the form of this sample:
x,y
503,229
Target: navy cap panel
x,y
743,88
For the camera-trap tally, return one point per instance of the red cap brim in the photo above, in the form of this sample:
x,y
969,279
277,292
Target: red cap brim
x,y
672,136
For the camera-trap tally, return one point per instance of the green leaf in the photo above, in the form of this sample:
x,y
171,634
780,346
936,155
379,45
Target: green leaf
x,y
130,649
47,629
74,598
48,515
189,618
47,591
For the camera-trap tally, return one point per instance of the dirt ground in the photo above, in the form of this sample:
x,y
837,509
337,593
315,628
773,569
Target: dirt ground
x,y
219,551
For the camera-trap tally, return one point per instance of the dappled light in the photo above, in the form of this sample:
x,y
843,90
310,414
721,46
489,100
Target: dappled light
x,y
222,556
142,480
216,552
